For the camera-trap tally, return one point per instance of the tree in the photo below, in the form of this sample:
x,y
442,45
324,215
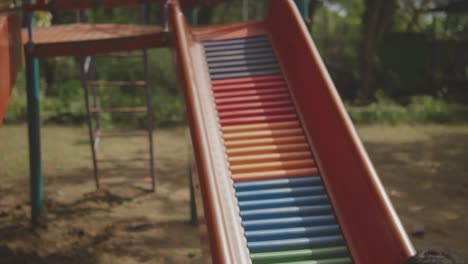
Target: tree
x,y
376,20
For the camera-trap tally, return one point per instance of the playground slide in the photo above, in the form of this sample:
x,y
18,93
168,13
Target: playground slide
x,y
282,174
10,58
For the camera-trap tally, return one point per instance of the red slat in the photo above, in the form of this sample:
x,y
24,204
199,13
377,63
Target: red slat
x,y
274,90
247,80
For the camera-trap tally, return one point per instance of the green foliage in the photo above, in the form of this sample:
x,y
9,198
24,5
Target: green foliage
x,y
421,67
17,108
420,110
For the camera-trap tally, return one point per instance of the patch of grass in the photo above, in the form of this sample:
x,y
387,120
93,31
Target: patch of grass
x,y
420,110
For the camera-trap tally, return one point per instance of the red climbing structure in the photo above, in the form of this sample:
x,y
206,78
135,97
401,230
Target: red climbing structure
x,y
10,58
280,171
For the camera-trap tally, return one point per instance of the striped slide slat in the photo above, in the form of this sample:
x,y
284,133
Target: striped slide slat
x,y
286,214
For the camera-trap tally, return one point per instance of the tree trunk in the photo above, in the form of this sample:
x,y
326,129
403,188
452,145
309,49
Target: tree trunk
x,y
376,21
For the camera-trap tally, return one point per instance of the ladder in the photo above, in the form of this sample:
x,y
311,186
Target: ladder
x,y
92,87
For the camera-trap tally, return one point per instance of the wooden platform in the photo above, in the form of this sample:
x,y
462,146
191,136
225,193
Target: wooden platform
x,y
92,39
68,5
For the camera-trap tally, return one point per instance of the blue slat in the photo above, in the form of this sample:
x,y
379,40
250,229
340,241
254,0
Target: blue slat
x,y
288,222
297,243
280,193
282,202
286,212
238,52
279,183
290,233
241,57
244,74
248,45
243,62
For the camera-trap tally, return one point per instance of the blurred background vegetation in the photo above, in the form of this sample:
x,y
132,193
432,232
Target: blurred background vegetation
x,y
393,61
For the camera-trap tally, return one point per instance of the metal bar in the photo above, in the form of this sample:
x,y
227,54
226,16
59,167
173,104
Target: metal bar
x,y
189,14
86,69
34,129
149,107
89,122
97,115
303,6
115,83
122,134
245,10
119,110
193,204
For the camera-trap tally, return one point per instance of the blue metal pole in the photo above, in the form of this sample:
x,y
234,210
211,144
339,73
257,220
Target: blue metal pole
x,y
34,126
303,6
189,15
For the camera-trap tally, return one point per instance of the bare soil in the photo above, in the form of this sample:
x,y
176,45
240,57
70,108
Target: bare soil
x,y
424,170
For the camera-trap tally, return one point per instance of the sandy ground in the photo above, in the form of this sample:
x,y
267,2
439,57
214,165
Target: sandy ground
x,y
424,169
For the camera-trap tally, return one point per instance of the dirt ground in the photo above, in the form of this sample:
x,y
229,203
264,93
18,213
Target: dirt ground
x,y
424,169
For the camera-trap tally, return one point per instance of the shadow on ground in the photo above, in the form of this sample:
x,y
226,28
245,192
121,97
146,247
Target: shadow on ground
x,y
427,180
123,222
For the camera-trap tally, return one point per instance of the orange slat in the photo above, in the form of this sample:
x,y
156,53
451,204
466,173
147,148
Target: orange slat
x,y
257,119
269,175
264,141
254,105
263,133
267,149
264,111
269,157
252,127
274,165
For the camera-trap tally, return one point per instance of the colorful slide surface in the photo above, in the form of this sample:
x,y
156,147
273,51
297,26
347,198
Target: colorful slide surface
x,y
10,58
282,173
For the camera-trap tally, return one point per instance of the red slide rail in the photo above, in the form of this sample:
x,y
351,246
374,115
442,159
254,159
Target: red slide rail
x,y
226,239
10,58
370,225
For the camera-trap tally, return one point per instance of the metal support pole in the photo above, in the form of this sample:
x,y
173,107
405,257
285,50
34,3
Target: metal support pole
x,y
34,130
143,18
303,6
149,117
245,10
92,135
193,204
189,15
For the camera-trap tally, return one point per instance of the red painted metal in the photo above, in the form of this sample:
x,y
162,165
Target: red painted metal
x,y
226,240
370,225
10,58
231,31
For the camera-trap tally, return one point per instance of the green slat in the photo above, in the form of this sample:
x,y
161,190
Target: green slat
x,y
299,255
324,261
